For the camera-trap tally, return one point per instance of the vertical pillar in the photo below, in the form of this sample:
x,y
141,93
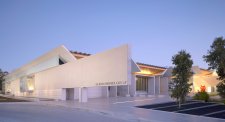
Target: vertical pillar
x,y
116,92
128,91
107,91
63,94
159,84
132,87
76,93
154,85
83,94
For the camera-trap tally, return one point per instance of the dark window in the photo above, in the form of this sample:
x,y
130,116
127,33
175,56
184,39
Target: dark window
x,y
61,62
142,84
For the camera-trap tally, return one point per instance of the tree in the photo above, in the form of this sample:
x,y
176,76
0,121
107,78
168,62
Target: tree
x,y
181,75
2,77
216,60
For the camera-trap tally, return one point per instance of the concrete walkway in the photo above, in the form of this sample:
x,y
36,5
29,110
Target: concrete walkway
x,y
124,108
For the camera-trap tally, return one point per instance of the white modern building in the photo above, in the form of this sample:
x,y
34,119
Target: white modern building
x,y
65,75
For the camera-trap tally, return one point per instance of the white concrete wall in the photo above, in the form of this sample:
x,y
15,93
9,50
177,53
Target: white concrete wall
x,y
157,85
54,61
76,93
164,86
15,84
151,85
107,67
105,91
95,92
132,87
15,87
50,93
111,67
37,68
48,60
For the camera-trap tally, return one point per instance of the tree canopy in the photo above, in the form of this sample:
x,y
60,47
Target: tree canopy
x,y
181,74
2,77
216,60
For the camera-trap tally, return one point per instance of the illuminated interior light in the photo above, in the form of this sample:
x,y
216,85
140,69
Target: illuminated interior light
x,y
209,89
30,88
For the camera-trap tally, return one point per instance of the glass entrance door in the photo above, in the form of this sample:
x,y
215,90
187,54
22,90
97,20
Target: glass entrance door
x,y
142,84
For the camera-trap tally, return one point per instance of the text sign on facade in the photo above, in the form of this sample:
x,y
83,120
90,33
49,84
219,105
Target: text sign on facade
x,y
111,83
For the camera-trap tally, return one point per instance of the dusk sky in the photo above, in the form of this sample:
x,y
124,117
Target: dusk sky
x,y
156,30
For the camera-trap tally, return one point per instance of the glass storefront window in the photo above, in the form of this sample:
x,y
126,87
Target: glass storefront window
x,y
142,84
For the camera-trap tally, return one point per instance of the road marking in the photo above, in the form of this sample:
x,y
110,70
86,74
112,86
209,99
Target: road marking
x,y
197,108
132,101
174,105
214,113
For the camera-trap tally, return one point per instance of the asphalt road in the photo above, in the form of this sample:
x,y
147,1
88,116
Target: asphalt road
x,y
45,113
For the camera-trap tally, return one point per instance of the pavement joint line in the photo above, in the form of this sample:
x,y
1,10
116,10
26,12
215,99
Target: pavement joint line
x,y
197,108
104,113
132,101
214,113
174,105
188,114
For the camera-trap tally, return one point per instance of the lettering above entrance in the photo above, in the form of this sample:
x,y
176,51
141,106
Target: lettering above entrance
x,y
111,83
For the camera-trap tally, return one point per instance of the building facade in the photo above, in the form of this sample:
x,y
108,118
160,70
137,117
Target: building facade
x,y
204,78
69,75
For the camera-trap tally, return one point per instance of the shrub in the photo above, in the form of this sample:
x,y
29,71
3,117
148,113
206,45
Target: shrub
x,y
221,89
202,96
202,88
223,101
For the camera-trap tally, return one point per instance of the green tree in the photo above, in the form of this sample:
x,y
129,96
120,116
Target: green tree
x,y
180,76
216,60
2,77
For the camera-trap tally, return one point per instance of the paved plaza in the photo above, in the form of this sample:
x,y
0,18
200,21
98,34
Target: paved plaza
x,y
27,112
101,109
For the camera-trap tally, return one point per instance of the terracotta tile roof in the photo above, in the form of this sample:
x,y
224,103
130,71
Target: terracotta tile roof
x,y
80,53
204,69
138,63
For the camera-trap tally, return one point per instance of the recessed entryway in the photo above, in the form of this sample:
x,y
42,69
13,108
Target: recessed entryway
x,y
69,93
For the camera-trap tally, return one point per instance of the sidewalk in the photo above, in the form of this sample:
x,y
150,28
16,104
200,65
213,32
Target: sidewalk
x,y
31,99
124,108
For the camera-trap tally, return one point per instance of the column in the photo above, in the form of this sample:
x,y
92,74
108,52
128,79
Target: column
x,y
63,94
83,94
159,84
128,91
154,85
107,91
116,92
132,87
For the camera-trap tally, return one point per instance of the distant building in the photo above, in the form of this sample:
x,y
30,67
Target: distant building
x,y
203,77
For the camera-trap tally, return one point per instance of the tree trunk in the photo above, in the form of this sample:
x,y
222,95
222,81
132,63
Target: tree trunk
x,y
179,102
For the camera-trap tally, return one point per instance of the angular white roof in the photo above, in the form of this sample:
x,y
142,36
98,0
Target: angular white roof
x,y
60,51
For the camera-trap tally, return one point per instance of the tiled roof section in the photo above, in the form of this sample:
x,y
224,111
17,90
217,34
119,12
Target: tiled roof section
x,y
138,63
204,69
80,53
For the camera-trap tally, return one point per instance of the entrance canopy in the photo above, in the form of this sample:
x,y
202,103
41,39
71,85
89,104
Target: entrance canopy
x,y
150,70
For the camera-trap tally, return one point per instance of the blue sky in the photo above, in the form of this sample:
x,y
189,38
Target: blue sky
x,y
156,30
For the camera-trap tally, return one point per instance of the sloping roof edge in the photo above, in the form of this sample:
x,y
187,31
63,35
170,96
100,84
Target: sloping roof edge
x,y
54,52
